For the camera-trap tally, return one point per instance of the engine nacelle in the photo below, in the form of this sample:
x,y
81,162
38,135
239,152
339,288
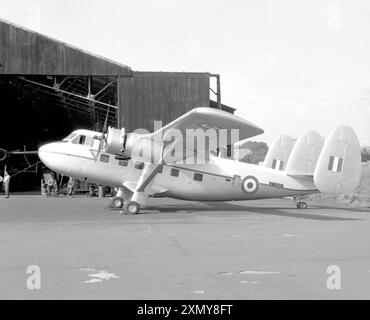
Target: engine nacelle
x,y
115,141
132,145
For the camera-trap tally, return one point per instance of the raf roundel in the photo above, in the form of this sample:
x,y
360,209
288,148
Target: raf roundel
x,y
250,184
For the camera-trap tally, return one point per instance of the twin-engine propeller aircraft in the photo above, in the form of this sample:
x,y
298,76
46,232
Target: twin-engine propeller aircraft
x,y
161,163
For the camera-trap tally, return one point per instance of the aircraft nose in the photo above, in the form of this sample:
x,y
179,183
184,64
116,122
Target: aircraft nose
x,y
45,153
43,149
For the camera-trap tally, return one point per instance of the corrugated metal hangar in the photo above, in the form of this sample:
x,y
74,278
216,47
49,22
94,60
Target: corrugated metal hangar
x,y
49,88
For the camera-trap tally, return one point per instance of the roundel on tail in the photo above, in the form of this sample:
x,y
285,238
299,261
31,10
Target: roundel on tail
x,y
250,185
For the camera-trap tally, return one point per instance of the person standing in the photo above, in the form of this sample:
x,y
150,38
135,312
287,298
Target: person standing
x,y
6,184
70,186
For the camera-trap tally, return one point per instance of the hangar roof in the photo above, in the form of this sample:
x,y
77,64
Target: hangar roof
x,y
23,51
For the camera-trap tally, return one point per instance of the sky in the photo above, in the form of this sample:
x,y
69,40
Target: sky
x,y
287,66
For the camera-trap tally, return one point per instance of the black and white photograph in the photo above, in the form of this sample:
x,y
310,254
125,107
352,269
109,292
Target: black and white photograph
x,y
188,151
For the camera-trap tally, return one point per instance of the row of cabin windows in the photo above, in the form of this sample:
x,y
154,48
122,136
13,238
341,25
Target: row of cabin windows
x,y
174,172
140,166
197,176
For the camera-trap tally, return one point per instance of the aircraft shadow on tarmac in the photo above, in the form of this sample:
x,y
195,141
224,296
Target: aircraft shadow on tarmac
x,y
219,207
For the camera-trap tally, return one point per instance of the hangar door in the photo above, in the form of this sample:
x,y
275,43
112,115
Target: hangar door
x,y
159,96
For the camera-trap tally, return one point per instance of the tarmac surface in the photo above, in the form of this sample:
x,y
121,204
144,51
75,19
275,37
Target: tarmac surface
x,y
182,250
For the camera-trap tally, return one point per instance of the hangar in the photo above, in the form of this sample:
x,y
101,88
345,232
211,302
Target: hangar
x,y
49,88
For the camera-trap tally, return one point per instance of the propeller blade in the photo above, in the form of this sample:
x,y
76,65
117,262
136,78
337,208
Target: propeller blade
x,y
102,138
105,127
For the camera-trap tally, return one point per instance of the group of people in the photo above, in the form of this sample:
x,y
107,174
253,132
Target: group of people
x,y
6,182
51,186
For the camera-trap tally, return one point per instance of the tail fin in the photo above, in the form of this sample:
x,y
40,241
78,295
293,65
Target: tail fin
x,y
279,153
339,166
305,154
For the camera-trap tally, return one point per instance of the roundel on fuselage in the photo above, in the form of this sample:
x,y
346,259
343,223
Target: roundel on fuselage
x,y
250,184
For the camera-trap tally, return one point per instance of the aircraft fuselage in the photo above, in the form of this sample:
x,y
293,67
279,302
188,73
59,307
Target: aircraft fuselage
x,y
218,180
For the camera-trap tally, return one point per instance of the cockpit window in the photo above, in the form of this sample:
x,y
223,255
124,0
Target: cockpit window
x,y
69,137
81,139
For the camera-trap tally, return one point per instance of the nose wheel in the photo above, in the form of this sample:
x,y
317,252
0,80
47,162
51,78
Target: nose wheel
x,y
116,203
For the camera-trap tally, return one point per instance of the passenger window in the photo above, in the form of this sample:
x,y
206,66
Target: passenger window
x,y
104,158
139,165
123,163
274,164
198,177
175,172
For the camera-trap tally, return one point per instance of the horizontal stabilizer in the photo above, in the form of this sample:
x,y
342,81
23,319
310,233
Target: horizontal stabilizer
x,y
305,154
279,152
301,175
339,166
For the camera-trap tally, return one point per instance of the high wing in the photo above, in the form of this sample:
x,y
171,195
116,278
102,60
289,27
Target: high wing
x,y
201,120
170,145
209,118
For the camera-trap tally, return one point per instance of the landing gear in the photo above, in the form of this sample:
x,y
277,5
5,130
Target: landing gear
x,y
117,203
301,205
131,207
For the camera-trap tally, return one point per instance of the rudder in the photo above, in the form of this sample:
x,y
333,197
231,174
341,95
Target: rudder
x,y
279,152
305,154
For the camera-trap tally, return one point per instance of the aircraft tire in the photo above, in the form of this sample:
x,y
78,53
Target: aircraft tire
x,y
117,203
302,205
131,208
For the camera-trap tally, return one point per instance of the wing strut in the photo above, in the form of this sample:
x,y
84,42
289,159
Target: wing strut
x,y
147,178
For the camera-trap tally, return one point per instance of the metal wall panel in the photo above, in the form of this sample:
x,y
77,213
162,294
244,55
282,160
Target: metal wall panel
x,y
26,52
150,96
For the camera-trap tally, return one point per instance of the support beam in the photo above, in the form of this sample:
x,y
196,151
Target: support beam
x,y
118,92
218,94
68,93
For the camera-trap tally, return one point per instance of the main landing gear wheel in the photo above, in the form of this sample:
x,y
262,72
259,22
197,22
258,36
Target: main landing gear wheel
x,y
302,205
131,207
117,203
